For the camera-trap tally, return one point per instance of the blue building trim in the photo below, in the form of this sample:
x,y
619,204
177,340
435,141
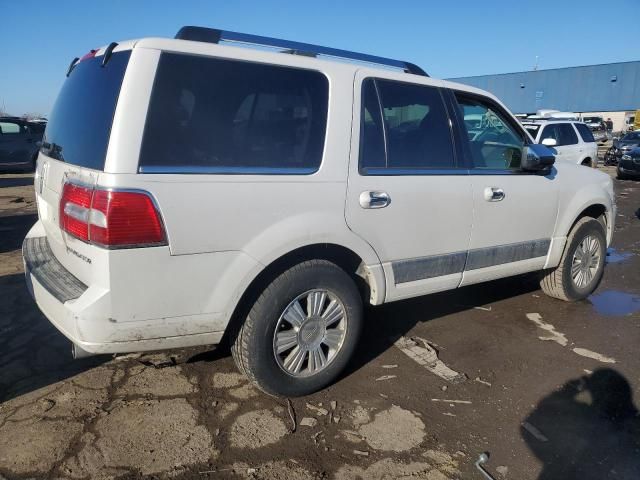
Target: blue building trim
x,y
610,87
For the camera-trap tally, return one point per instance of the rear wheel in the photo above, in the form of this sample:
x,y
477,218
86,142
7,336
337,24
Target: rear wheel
x,y
301,331
582,264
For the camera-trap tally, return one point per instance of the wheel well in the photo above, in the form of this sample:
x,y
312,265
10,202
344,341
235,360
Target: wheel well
x,y
587,161
345,258
596,211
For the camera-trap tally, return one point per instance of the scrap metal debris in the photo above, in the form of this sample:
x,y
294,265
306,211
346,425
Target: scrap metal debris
x,y
427,356
537,434
385,377
317,410
482,459
483,382
444,400
389,366
361,453
292,416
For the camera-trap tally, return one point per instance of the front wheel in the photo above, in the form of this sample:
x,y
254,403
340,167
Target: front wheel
x,y
302,330
582,264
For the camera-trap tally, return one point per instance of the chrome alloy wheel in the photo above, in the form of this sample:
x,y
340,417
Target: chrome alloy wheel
x,y
309,333
586,261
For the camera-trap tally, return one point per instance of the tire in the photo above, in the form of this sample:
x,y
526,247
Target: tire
x,y
620,175
558,282
254,346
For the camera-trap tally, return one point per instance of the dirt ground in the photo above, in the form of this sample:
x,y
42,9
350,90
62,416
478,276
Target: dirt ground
x,y
548,388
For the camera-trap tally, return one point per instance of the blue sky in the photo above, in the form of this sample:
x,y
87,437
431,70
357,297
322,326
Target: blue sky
x,y
38,39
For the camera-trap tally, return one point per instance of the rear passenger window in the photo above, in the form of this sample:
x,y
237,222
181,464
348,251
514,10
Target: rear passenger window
x,y
584,132
404,126
225,116
562,133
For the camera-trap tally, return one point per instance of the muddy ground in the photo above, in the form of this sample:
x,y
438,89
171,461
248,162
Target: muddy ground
x,y
551,388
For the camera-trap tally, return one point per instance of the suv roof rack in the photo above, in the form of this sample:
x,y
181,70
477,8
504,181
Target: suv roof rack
x,y
213,35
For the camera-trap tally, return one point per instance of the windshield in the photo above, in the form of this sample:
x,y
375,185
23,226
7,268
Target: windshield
x,y
592,119
80,123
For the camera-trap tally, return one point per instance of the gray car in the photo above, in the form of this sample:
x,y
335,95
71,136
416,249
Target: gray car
x,y
629,164
19,140
622,146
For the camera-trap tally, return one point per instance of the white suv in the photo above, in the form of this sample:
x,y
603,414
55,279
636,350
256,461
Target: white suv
x,y
571,141
189,191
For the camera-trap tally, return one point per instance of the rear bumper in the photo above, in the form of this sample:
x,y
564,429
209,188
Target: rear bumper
x,y
84,314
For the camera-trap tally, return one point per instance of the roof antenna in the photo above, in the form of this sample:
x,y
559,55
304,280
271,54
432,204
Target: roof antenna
x,y
535,67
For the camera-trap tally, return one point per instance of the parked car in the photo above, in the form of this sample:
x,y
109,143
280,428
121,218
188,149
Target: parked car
x,y
18,143
215,191
571,141
598,127
622,146
629,164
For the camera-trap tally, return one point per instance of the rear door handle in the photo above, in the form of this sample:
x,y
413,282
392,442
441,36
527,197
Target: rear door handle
x,y
374,199
493,194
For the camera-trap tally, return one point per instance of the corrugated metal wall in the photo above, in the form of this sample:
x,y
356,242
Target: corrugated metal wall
x,y
575,89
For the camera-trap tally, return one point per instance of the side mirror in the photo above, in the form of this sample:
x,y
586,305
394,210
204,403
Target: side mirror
x,y
537,158
549,142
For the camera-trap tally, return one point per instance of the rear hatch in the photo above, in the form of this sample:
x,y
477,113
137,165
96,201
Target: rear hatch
x,y
74,149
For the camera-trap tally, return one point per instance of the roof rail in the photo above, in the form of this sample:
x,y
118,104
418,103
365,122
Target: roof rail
x,y
212,35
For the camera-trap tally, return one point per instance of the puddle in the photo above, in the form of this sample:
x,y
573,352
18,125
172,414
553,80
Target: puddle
x,y
615,303
613,256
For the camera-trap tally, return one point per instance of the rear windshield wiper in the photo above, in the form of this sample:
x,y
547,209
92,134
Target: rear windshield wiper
x,y
72,66
108,52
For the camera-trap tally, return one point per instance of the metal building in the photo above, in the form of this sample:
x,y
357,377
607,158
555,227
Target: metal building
x,y
606,88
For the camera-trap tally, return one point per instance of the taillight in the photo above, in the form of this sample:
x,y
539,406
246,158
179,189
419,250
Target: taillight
x,y
110,218
75,206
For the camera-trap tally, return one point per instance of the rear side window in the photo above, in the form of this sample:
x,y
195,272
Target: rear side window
x,y
225,116
11,128
80,123
562,133
404,126
584,132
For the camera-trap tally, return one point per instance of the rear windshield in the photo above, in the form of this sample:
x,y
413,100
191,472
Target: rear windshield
x,y
80,122
210,115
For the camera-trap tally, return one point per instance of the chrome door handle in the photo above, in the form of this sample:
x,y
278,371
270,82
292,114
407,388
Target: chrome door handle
x,y
493,194
374,199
